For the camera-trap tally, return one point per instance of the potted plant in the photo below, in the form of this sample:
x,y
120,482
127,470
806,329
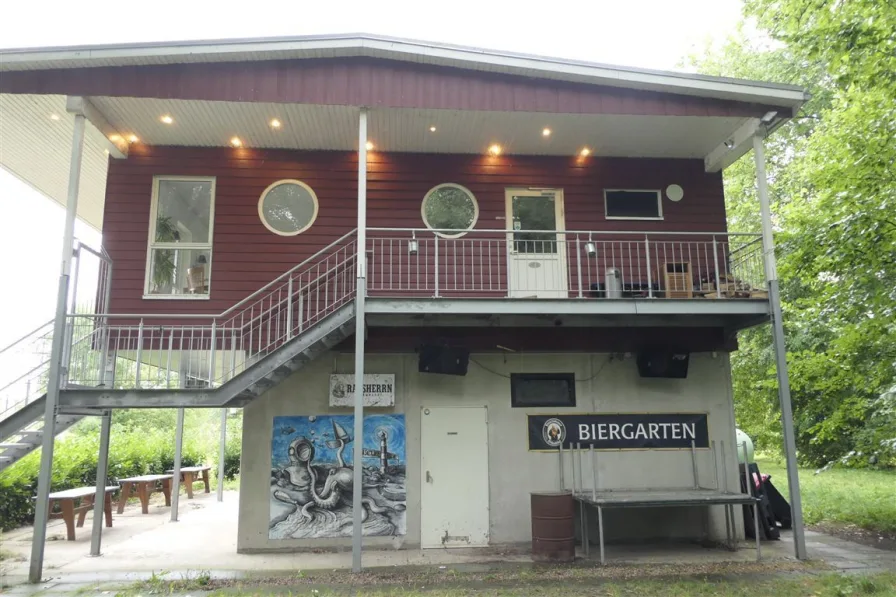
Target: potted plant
x,y
163,266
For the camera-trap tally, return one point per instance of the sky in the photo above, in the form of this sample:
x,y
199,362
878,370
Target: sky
x,y
642,33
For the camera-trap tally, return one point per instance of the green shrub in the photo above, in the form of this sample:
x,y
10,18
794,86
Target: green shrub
x,y
141,443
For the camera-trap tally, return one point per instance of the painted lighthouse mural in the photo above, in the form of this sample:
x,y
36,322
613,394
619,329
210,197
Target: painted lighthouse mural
x,y
312,476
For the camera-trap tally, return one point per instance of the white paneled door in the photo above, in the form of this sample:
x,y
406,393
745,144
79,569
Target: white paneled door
x,y
454,460
536,249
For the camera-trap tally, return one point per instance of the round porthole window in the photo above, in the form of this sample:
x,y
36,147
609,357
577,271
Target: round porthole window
x,y
288,207
450,210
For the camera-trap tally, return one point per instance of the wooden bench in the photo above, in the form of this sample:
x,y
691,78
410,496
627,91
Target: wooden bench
x,y
145,486
191,474
68,508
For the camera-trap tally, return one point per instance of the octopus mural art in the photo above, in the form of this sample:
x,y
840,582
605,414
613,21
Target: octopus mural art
x,y
312,477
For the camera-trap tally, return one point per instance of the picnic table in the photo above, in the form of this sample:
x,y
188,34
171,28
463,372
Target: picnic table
x,y
85,497
145,486
189,474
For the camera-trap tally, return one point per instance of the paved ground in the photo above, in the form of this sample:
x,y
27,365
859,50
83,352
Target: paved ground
x,y
205,540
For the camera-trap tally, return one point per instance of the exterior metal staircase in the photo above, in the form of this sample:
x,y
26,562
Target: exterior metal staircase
x,y
192,361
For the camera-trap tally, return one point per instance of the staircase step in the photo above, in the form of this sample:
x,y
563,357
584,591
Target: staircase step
x,y
15,445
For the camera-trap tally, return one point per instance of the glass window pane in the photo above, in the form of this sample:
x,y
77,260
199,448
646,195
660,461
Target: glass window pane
x,y
288,208
633,204
542,389
534,213
179,271
450,208
184,211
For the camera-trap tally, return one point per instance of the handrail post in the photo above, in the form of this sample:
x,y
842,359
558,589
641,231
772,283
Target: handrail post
x,y
579,262
715,256
139,354
168,364
289,309
649,273
211,356
436,269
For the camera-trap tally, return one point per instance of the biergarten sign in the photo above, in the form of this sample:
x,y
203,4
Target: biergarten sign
x,y
618,431
379,389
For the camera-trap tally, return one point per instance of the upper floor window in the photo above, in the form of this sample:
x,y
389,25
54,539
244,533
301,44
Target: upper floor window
x,y
288,207
450,209
180,237
629,204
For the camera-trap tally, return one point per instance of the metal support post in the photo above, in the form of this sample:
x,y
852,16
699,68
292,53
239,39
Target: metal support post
x,y
768,249
102,470
593,475
562,479
222,454
178,449
694,464
44,477
361,291
572,458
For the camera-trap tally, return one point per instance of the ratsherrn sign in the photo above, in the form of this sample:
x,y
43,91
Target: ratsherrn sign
x,y
618,431
379,389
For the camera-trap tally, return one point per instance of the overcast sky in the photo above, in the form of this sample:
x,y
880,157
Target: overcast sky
x,y
643,33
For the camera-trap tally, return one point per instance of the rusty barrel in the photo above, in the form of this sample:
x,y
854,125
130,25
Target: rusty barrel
x,y
553,526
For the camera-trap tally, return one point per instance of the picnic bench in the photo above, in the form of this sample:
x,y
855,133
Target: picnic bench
x,y
68,508
145,486
190,474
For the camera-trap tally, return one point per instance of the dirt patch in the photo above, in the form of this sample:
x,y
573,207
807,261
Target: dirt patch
x,y
859,535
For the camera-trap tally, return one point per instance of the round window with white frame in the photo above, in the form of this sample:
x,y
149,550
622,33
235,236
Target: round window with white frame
x,y
288,207
449,210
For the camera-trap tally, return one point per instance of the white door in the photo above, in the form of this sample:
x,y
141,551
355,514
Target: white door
x,y
454,460
536,256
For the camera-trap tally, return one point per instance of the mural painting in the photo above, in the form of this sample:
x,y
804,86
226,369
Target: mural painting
x,y
312,472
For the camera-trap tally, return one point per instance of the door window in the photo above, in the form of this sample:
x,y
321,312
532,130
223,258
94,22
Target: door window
x,y
534,213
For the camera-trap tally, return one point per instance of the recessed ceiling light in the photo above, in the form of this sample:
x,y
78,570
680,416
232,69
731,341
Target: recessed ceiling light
x,y
546,132
235,141
585,152
106,151
369,146
54,116
133,138
495,149
114,138
276,124
432,129
167,119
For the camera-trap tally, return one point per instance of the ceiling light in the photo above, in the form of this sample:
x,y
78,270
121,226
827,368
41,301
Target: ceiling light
x,y
546,133
585,152
369,146
235,141
495,149
54,116
167,119
275,124
729,143
133,138
114,138
432,129
106,151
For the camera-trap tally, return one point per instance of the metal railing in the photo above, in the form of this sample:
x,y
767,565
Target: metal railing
x,y
129,351
571,264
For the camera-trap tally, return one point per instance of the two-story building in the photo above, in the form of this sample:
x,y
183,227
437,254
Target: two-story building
x,y
518,253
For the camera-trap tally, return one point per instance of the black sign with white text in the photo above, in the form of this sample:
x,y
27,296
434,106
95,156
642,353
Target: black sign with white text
x,y
618,432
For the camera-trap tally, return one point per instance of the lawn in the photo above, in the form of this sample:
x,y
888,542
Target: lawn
x,y
864,498
530,583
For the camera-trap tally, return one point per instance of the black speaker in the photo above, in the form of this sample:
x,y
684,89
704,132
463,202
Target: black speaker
x,y
668,364
448,360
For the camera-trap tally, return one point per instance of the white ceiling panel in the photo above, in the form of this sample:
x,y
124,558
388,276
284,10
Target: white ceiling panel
x,y
37,149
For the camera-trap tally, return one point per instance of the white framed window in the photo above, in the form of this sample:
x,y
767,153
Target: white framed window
x,y
450,209
633,204
288,207
181,221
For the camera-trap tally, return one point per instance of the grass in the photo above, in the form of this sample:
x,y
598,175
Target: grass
x,y
864,498
529,585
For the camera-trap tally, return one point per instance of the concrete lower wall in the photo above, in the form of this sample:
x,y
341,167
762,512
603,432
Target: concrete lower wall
x,y
604,385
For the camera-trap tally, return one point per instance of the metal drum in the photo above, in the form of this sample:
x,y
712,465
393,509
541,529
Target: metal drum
x,y
553,527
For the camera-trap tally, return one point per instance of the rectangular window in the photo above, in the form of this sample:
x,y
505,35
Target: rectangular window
x,y
542,389
627,204
179,258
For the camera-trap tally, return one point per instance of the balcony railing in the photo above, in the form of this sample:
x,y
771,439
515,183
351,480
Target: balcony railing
x,y
572,264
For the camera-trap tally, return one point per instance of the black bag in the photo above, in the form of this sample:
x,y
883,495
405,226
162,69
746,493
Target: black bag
x,y
767,525
779,506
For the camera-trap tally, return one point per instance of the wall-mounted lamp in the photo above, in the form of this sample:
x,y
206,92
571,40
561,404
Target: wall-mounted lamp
x,y
412,244
729,143
590,248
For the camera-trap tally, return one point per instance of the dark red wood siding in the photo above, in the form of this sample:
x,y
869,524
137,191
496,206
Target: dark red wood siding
x,y
367,82
246,255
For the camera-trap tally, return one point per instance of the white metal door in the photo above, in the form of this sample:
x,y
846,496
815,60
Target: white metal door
x,y
454,461
536,254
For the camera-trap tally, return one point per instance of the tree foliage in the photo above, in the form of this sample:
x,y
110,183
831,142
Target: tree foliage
x,y
833,185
